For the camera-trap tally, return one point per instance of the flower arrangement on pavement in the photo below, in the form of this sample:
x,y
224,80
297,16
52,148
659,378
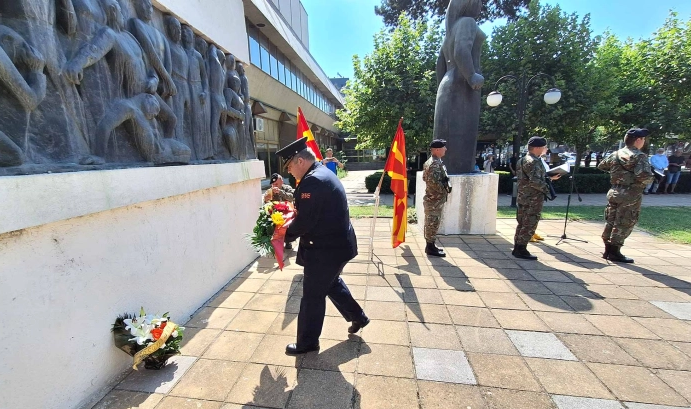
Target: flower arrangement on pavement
x,y
268,235
151,339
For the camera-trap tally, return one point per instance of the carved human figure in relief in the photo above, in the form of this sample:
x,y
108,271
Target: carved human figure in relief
x,y
250,148
15,88
154,44
457,109
235,113
199,91
136,102
202,48
217,75
180,69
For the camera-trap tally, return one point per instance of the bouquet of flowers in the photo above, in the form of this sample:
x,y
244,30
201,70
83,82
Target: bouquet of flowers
x,y
149,338
268,235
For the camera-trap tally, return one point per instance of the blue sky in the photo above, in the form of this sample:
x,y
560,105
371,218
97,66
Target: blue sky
x,y
341,28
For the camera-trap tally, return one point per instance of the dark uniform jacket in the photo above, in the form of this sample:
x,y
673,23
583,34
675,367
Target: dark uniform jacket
x,y
323,219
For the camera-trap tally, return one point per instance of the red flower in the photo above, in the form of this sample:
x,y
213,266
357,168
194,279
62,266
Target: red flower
x,y
156,332
163,325
281,207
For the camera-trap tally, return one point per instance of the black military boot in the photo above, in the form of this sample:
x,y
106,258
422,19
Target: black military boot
x,y
608,248
615,255
521,251
433,250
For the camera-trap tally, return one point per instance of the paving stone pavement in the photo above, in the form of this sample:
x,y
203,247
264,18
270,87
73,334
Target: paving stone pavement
x,y
477,329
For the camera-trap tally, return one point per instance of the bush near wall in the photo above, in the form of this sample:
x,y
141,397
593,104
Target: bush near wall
x,y
587,181
372,181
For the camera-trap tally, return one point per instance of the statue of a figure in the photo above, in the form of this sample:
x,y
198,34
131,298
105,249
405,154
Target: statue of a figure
x,y
56,131
136,91
217,75
96,89
29,92
199,91
235,112
180,69
248,140
154,44
457,110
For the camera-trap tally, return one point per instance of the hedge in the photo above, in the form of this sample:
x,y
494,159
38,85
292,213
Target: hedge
x,y
372,181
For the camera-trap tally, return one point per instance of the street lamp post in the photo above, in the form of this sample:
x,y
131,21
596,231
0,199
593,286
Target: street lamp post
x,y
552,96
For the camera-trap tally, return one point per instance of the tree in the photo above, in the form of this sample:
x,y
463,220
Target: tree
x,y
420,10
396,80
547,40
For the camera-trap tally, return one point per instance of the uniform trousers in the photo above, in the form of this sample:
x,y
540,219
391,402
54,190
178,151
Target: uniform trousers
x,y
320,281
621,214
528,216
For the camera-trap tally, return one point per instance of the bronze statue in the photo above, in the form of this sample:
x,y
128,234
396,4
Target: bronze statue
x,y
28,92
180,69
235,112
457,109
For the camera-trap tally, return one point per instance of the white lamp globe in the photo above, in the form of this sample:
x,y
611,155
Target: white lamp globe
x,y
552,96
494,98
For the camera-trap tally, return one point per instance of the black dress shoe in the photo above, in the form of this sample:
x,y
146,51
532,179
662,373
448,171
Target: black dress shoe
x,y
357,326
294,349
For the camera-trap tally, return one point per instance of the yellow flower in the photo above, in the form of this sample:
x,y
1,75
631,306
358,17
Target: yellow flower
x,y
267,207
277,218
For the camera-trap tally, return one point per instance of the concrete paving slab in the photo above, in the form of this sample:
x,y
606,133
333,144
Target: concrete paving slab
x,y
540,345
443,366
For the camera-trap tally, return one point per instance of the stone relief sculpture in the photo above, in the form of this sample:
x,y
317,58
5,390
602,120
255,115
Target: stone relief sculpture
x,y
457,109
28,93
86,83
217,75
199,90
137,100
248,136
233,132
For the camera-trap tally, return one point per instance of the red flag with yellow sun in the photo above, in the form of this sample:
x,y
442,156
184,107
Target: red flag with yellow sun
x,y
304,130
397,169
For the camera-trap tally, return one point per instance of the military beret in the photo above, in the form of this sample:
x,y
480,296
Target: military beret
x,y
292,149
638,132
437,143
275,177
537,142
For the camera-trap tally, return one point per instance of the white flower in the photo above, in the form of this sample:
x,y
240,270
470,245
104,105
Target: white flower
x,y
174,334
142,334
133,323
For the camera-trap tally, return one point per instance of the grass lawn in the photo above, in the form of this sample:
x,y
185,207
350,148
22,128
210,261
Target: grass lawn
x,y
670,223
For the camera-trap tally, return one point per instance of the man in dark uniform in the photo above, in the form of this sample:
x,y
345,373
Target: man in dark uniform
x,y
630,172
437,190
532,191
327,243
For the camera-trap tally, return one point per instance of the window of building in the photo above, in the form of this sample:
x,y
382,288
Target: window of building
x,y
254,48
281,68
264,54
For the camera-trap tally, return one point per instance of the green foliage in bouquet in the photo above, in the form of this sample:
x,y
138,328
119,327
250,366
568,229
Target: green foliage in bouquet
x,y
263,231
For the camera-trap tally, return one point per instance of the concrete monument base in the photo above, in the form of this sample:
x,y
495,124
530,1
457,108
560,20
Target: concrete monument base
x,y
471,207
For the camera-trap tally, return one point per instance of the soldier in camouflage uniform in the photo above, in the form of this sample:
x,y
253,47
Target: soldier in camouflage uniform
x,y
279,191
630,172
532,191
436,190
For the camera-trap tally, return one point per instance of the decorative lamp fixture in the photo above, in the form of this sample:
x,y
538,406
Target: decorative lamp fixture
x,y
552,96
494,98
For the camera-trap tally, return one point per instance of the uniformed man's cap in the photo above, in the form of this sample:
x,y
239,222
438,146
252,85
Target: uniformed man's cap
x,y
638,132
537,142
288,151
437,143
274,177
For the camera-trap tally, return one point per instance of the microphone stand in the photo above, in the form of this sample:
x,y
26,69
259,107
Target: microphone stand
x,y
568,205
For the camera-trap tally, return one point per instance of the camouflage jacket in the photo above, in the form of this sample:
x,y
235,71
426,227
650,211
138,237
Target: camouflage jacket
x,y
435,176
628,167
532,182
285,194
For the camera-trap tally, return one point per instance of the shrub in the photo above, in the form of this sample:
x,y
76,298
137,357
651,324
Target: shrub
x,y
586,183
372,181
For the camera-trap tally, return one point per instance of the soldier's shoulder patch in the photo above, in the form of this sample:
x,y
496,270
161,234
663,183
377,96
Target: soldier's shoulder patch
x,y
305,196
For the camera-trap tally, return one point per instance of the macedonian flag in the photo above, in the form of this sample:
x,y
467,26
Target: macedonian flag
x,y
304,130
397,168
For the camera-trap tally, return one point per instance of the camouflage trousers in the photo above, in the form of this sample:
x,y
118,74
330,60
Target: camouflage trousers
x,y
528,216
621,214
433,212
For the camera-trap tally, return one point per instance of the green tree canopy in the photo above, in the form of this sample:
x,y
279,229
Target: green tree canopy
x,y
396,80
420,10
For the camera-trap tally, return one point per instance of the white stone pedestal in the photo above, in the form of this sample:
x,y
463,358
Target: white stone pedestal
x,y
471,207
